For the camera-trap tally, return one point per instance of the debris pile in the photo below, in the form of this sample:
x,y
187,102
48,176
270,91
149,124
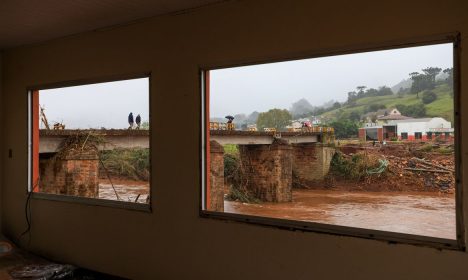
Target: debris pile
x,y
424,174
399,167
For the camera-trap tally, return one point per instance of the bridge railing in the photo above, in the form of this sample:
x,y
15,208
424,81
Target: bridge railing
x,y
323,129
231,126
222,126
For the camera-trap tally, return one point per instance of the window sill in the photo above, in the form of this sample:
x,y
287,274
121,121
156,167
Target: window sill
x,y
93,201
390,237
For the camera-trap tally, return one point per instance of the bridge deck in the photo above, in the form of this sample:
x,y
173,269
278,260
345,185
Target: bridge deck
x,y
50,140
262,137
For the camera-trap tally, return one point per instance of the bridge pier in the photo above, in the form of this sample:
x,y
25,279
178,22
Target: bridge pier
x,y
311,163
75,173
216,187
268,169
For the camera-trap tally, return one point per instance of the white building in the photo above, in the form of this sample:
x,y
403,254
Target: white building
x,y
422,129
409,129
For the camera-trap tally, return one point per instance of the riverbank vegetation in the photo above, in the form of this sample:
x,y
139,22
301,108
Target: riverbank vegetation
x,y
130,164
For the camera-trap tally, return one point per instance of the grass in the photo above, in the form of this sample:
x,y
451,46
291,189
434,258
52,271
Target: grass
x,y
442,107
127,163
231,149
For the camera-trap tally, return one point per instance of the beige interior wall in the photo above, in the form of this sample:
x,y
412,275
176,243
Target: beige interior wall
x,y
173,242
2,150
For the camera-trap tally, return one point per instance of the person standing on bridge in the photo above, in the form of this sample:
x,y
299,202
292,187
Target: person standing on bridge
x,y
138,121
130,120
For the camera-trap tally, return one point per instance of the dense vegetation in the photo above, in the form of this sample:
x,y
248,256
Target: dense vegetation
x,y
126,163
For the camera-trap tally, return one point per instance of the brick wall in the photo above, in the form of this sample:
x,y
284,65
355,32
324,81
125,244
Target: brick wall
x,y
311,163
269,170
75,174
216,177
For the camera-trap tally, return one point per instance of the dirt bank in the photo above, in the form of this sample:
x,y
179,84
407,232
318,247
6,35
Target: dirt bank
x,y
411,167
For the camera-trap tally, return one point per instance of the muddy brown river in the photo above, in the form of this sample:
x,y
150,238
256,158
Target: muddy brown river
x,y
427,214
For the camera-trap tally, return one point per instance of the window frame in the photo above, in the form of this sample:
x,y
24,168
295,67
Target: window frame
x,y
143,207
386,236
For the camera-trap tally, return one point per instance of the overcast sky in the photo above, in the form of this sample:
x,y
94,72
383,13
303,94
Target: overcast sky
x,y
97,105
247,89
278,85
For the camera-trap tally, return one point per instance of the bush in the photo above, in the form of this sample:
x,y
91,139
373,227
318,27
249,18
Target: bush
x,y
345,128
354,167
231,168
426,148
429,97
128,163
445,150
233,176
374,108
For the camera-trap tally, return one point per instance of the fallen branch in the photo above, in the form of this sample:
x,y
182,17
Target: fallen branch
x,y
108,177
427,170
433,164
86,140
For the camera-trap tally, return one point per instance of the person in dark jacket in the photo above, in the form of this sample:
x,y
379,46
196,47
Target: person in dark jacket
x,y
138,121
130,120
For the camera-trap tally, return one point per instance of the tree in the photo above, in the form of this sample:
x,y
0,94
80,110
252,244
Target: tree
x,y
372,92
144,125
345,128
384,90
301,108
252,118
415,110
355,116
449,79
432,72
420,82
336,105
429,97
274,118
360,90
374,108
352,96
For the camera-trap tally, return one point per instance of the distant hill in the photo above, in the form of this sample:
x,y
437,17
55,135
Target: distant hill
x,y
406,83
442,107
403,84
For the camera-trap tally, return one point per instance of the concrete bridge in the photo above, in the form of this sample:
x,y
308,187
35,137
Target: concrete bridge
x,y
50,140
271,163
224,137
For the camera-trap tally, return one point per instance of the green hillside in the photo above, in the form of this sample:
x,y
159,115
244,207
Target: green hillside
x,y
441,107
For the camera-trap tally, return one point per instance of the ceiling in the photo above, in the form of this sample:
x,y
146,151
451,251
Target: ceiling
x,y
24,22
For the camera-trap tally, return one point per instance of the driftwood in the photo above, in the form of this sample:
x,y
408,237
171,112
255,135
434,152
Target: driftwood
x,y
433,164
428,170
108,177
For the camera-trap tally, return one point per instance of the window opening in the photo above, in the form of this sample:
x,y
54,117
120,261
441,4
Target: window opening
x,y
92,141
287,141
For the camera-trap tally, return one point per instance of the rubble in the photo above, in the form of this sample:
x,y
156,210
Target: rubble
x,y
411,167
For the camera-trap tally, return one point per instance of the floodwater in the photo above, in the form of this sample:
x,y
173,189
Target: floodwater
x,y
420,213
130,191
